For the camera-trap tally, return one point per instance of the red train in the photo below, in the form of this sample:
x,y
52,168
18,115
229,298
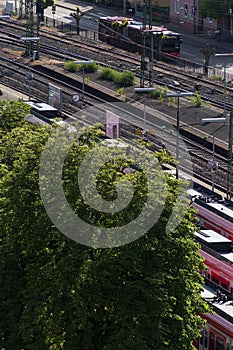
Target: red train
x,y
214,212
216,335
217,252
219,275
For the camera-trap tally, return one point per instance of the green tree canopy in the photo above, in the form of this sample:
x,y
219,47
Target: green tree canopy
x,y
214,9
59,294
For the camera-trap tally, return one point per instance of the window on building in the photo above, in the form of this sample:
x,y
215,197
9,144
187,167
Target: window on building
x,y
177,6
192,11
185,10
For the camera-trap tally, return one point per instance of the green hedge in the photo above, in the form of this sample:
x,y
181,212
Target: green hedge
x,y
73,67
122,78
90,68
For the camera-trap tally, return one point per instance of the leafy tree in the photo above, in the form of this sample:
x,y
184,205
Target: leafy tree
x,y
214,9
77,16
207,51
41,5
12,115
58,294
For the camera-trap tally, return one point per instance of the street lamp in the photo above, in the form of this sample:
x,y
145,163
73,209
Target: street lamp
x,y
224,55
178,94
144,90
83,69
212,164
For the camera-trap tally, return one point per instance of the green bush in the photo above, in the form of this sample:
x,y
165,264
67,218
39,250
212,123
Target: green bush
x,y
70,66
107,73
90,68
216,77
160,93
122,78
73,67
196,100
120,91
126,78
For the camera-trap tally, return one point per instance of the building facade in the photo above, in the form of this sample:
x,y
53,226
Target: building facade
x,y
185,14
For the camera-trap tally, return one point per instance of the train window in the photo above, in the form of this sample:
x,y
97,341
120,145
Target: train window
x,y
206,340
212,341
224,285
215,280
201,337
228,346
219,343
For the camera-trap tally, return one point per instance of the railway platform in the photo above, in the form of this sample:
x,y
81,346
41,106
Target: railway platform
x,y
8,94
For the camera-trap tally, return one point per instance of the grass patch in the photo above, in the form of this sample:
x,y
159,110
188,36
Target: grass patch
x,y
196,100
216,78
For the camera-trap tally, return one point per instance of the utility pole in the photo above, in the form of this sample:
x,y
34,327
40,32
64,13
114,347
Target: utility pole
x,y
229,177
151,56
194,17
143,54
29,26
40,6
21,6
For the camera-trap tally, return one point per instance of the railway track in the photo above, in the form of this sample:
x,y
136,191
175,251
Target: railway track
x,y
15,72
59,45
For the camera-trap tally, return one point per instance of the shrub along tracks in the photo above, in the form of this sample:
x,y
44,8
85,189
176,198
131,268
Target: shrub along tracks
x,y
13,73
96,94
59,45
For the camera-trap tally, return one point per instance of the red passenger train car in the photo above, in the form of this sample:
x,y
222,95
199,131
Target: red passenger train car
x,y
216,335
218,257
214,212
218,274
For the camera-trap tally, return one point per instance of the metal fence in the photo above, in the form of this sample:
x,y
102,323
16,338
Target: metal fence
x,y
70,27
